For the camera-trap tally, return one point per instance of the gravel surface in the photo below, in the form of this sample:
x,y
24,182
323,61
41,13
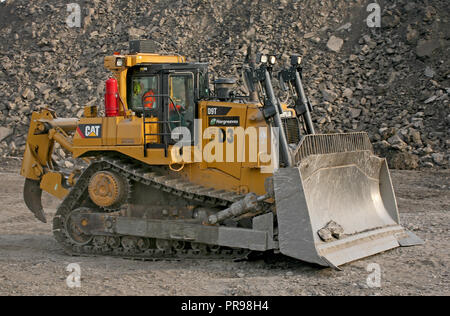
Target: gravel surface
x,y
32,263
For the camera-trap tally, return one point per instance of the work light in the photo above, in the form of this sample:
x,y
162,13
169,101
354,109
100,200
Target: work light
x,y
264,59
296,60
120,62
272,60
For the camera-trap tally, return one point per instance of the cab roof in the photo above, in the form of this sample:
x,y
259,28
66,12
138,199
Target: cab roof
x,y
131,60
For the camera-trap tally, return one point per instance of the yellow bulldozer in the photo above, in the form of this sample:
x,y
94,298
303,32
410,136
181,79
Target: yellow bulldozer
x,y
174,169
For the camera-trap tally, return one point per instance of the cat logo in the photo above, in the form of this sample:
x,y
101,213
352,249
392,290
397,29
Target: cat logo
x,y
90,130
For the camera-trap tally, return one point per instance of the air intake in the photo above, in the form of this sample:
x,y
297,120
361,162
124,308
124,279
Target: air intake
x,y
143,46
224,88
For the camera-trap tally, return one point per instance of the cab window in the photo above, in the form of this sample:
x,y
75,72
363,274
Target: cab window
x,y
143,92
182,100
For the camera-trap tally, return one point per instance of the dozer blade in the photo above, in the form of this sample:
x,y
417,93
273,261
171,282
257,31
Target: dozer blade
x,y
32,194
338,205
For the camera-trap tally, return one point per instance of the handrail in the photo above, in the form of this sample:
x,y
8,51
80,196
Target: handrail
x,y
147,111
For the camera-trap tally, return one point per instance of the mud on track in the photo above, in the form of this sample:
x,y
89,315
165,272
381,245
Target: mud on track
x,y
32,263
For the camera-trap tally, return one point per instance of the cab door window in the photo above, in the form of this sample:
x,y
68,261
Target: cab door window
x,y
182,100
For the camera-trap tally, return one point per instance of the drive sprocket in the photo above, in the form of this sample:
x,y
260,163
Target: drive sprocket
x,y
108,190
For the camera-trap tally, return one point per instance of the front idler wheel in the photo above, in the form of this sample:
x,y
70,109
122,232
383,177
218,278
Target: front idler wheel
x,y
74,226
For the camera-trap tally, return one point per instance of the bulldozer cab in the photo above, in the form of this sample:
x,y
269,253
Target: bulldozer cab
x,y
169,93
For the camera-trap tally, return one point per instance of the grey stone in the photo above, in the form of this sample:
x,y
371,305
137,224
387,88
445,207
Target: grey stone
x,y
431,99
354,113
348,93
135,33
438,158
415,137
411,35
397,143
429,72
403,161
329,95
28,94
428,149
325,235
309,35
426,48
79,73
335,44
5,132
345,27
322,120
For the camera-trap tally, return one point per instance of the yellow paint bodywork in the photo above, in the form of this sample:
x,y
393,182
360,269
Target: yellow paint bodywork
x,y
51,183
38,149
125,134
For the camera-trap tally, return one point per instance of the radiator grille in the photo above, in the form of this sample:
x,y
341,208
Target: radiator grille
x,y
292,130
332,143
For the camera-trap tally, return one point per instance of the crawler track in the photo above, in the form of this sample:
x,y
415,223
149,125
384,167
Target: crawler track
x,y
116,245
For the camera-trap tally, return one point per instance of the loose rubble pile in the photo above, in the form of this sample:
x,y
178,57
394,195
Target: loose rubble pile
x,y
392,82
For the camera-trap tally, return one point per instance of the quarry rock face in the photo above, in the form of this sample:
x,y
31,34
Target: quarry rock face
x,y
392,81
